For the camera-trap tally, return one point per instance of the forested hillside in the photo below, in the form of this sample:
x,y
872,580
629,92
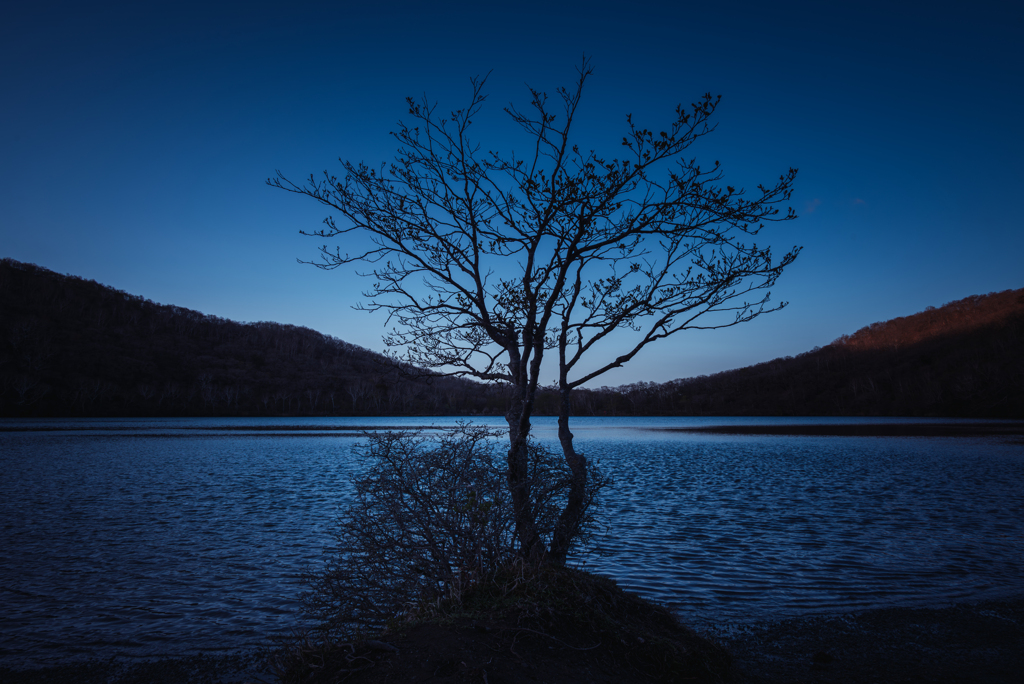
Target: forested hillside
x,y
962,359
70,346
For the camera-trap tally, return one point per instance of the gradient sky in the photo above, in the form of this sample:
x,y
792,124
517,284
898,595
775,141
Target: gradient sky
x,y
135,140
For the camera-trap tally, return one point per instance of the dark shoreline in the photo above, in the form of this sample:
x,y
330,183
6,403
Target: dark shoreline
x,y
242,667
864,429
211,428
964,642
887,429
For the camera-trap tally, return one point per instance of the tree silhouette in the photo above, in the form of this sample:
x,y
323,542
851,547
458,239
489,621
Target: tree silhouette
x,y
486,261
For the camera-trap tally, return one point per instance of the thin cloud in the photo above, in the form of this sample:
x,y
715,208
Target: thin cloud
x,y
812,205
858,200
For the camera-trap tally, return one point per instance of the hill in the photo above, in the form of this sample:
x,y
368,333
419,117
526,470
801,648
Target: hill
x,y
74,347
963,359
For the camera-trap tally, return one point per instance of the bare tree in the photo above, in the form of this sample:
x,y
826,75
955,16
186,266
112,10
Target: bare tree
x,y
486,261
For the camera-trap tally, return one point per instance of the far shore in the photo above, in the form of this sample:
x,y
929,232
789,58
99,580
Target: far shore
x,y
864,429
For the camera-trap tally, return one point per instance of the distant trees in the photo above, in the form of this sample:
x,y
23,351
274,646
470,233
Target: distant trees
x,y
486,262
70,346
961,359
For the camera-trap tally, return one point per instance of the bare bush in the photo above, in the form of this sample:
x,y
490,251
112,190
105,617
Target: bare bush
x,y
431,516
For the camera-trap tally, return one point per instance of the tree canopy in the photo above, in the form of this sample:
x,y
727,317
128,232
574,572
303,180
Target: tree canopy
x,y
486,260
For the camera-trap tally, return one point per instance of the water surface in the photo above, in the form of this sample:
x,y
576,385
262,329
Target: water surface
x,y
166,536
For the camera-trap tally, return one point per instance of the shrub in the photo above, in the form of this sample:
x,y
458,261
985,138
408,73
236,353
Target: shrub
x,y
431,515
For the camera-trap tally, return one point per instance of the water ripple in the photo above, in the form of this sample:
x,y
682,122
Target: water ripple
x,y
140,544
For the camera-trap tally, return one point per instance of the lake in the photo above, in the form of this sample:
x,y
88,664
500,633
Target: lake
x,y
160,537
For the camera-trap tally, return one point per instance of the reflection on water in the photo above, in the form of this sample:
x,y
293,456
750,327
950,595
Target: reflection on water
x,y
134,539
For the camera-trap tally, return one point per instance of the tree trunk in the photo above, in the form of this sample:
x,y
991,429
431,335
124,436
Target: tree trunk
x,y
531,546
571,517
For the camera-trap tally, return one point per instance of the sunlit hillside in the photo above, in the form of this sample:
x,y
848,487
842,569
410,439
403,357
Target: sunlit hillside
x,y
961,359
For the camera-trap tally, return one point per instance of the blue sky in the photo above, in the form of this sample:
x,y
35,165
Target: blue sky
x,y
135,140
